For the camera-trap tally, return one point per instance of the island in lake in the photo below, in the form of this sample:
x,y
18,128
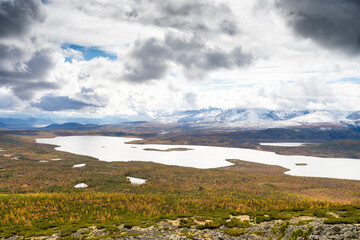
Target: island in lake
x,y
168,150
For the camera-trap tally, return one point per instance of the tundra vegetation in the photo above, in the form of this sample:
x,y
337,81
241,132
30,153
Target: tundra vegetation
x,y
38,198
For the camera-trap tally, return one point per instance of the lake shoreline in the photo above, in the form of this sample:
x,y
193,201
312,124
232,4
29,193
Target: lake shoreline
x,y
118,149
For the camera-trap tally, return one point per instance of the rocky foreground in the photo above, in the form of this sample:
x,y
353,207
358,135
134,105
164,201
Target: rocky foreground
x,y
298,228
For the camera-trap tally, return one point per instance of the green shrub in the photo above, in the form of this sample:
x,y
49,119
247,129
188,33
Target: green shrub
x,y
259,233
186,223
235,232
234,222
210,225
300,233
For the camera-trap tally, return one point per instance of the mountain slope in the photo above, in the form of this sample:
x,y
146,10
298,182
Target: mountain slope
x,y
71,126
260,118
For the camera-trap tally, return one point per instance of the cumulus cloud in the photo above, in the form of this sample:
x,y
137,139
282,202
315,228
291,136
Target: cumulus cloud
x,y
24,62
187,16
25,71
24,83
18,16
330,23
7,100
148,61
152,58
193,16
177,43
60,103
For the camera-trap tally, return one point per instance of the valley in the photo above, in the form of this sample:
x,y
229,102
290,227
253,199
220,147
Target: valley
x,y
263,192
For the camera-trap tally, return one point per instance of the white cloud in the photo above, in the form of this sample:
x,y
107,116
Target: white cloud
x,y
286,71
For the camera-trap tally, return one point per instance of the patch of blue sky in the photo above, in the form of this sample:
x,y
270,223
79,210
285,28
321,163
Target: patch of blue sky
x,y
218,84
353,80
88,52
245,85
173,75
310,72
68,59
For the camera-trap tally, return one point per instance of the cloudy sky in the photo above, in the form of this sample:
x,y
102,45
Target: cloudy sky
x,y
138,58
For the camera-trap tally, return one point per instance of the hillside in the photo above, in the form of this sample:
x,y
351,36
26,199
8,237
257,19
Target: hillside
x,y
38,182
335,149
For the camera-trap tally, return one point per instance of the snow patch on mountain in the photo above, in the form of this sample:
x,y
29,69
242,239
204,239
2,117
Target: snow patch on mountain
x,y
259,118
321,117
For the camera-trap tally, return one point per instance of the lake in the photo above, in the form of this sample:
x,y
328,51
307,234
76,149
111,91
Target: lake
x,y
115,149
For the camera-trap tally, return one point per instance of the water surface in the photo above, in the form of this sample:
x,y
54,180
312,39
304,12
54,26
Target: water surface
x,y
284,144
136,181
79,165
115,149
81,185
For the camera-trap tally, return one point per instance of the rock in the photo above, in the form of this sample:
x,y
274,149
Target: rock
x,y
167,231
350,235
319,228
336,229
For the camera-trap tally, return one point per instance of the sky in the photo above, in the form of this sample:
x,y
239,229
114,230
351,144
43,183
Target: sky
x,y
141,59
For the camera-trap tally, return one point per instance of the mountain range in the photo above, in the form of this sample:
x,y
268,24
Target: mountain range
x,y
203,118
262,118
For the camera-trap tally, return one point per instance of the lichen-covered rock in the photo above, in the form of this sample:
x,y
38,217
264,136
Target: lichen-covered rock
x,y
266,230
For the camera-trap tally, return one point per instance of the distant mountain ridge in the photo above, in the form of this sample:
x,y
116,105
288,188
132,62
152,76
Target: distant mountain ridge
x,y
71,126
202,118
261,118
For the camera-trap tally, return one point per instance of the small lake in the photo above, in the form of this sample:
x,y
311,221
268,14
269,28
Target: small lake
x,y
136,181
115,149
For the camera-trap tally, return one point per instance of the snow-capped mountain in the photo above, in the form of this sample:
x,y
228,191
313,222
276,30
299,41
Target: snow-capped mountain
x,y
261,118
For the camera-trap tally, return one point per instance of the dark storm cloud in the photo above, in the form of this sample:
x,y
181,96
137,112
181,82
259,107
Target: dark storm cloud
x,y
193,16
229,27
31,76
194,53
17,16
202,16
152,58
10,56
60,103
35,68
149,61
24,66
181,15
330,23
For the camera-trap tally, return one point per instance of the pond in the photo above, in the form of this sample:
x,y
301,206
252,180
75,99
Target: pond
x,y
136,181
